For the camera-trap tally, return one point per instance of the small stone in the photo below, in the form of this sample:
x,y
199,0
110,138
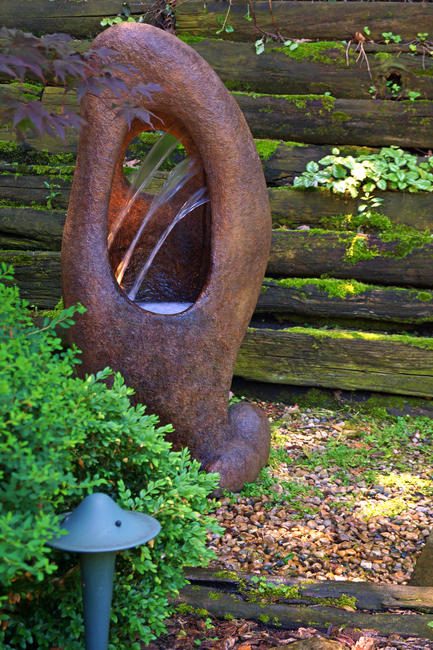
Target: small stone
x,y
366,565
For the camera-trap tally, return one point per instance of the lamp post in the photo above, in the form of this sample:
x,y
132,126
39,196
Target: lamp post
x,y
98,528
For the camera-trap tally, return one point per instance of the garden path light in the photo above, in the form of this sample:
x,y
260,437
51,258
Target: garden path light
x,y
96,529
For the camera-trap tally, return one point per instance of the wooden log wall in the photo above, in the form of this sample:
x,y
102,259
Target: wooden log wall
x,y
315,603
339,308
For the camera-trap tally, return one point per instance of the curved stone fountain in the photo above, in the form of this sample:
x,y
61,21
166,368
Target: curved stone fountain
x,y
180,364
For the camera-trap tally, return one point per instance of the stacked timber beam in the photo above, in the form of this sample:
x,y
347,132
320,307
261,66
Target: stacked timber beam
x,y
290,603
325,317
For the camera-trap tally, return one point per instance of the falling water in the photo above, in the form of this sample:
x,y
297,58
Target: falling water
x,y
198,198
175,181
153,161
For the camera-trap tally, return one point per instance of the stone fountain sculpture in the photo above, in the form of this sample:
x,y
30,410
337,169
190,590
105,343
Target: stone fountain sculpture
x,y
180,364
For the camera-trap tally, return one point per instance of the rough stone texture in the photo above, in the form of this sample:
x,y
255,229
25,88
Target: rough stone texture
x,y
180,365
423,572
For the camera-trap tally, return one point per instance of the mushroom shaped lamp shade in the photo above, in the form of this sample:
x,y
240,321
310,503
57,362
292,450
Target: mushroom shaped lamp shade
x,y
96,529
99,525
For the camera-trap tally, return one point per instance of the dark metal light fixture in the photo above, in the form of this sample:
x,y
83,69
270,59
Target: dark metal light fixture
x,y
98,528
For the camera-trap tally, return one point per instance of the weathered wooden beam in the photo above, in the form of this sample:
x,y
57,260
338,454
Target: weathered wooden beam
x,y
289,207
29,229
333,399
316,119
317,68
79,18
324,120
219,604
338,359
371,596
318,21
345,299
27,189
295,19
314,253
293,253
37,273
315,207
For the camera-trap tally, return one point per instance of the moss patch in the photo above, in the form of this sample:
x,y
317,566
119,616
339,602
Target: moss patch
x,y
337,288
13,153
383,56
325,52
214,595
332,287
340,116
300,101
184,609
423,342
359,250
266,148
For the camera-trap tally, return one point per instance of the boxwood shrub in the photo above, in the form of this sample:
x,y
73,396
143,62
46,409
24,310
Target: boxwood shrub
x,y
61,438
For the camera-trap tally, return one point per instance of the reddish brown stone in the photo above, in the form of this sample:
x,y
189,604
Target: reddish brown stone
x,y
179,365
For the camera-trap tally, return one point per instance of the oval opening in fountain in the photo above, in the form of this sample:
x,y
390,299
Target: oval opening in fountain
x,y
159,223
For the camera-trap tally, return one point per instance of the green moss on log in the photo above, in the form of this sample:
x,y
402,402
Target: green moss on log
x,y
340,116
266,148
423,342
300,101
332,287
359,249
338,288
11,152
237,85
326,52
185,609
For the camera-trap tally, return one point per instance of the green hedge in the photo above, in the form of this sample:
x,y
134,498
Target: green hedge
x,y
60,438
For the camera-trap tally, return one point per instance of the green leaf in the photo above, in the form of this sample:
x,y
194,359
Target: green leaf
x,y
339,171
260,46
312,166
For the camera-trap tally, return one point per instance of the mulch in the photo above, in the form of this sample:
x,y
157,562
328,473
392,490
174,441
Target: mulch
x,y
191,632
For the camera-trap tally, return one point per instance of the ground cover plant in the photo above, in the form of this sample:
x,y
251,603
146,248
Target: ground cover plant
x,y
61,438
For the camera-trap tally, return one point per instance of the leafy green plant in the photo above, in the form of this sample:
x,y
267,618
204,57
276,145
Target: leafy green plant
x,y
423,44
53,191
390,169
61,438
222,20
123,16
394,88
413,95
389,37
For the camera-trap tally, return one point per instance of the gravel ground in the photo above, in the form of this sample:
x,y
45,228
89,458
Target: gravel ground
x,y
346,498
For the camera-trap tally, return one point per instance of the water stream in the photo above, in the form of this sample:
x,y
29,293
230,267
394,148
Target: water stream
x,y
200,197
176,180
141,179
